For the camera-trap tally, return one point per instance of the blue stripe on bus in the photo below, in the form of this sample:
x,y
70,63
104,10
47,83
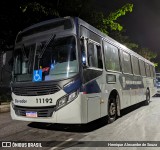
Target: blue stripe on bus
x,y
73,86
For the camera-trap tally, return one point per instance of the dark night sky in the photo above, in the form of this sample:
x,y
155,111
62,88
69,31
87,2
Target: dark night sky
x,y
143,24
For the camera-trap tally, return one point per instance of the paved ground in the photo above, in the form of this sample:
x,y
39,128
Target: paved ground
x,y
139,123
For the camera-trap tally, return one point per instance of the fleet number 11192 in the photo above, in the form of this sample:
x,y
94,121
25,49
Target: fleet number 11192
x,y
44,100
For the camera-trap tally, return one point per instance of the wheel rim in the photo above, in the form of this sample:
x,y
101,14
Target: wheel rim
x,y
112,109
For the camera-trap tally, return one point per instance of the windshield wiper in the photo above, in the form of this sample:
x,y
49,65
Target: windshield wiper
x,y
46,44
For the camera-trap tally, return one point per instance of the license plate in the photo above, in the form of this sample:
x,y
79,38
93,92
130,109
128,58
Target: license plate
x,y
31,114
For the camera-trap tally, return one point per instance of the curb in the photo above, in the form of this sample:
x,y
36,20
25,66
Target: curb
x,y
4,108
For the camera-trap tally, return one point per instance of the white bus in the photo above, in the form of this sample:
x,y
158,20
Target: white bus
x,y
158,83
67,71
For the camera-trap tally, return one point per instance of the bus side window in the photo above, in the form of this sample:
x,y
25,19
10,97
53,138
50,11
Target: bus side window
x,y
154,73
91,55
142,67
135,65
99,56
126,61
111,54
94,56
147,70
150,67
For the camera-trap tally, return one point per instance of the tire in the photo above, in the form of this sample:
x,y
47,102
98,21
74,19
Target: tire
x,y
147,101
112,110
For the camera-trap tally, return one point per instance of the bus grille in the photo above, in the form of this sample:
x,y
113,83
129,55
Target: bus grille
x,y
41,111
35,90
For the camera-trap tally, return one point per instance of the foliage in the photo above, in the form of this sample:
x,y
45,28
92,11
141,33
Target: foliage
x,y
110,20
97,20
123,39
108,24
37,7
79,8
155,64
146,53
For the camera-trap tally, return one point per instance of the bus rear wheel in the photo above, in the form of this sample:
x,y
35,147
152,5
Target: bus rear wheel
x,y
147,101
112,110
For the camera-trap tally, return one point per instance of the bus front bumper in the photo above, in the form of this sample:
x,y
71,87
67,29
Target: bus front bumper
x,y
69,114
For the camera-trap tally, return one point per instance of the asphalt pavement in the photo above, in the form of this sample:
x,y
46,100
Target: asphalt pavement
x,y
138,123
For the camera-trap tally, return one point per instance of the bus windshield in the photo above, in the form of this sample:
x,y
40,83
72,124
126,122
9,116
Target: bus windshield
x,y
58,60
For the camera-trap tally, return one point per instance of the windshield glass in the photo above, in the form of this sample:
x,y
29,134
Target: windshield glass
x,y
58,60
23,63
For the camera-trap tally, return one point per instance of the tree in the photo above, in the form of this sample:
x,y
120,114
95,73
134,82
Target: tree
x,y
146,53
113,17
10,18
121,37
22,13
80,8
108,23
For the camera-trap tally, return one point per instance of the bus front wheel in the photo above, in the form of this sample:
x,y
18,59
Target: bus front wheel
x,y
112,110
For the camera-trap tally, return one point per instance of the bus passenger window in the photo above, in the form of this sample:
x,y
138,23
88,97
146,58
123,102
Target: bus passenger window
x,y
126,63
111,57
151,70
99,55
91,55
142,67
135,65
148,70
154,74
94,56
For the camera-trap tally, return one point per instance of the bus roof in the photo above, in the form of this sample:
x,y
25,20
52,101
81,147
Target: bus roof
x,y
89,27
112,41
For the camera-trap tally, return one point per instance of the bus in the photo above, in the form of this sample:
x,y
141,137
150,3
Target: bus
x,y
158,83
66,71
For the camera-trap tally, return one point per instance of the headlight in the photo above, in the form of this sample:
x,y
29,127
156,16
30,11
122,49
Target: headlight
x,y
66,100
61,102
